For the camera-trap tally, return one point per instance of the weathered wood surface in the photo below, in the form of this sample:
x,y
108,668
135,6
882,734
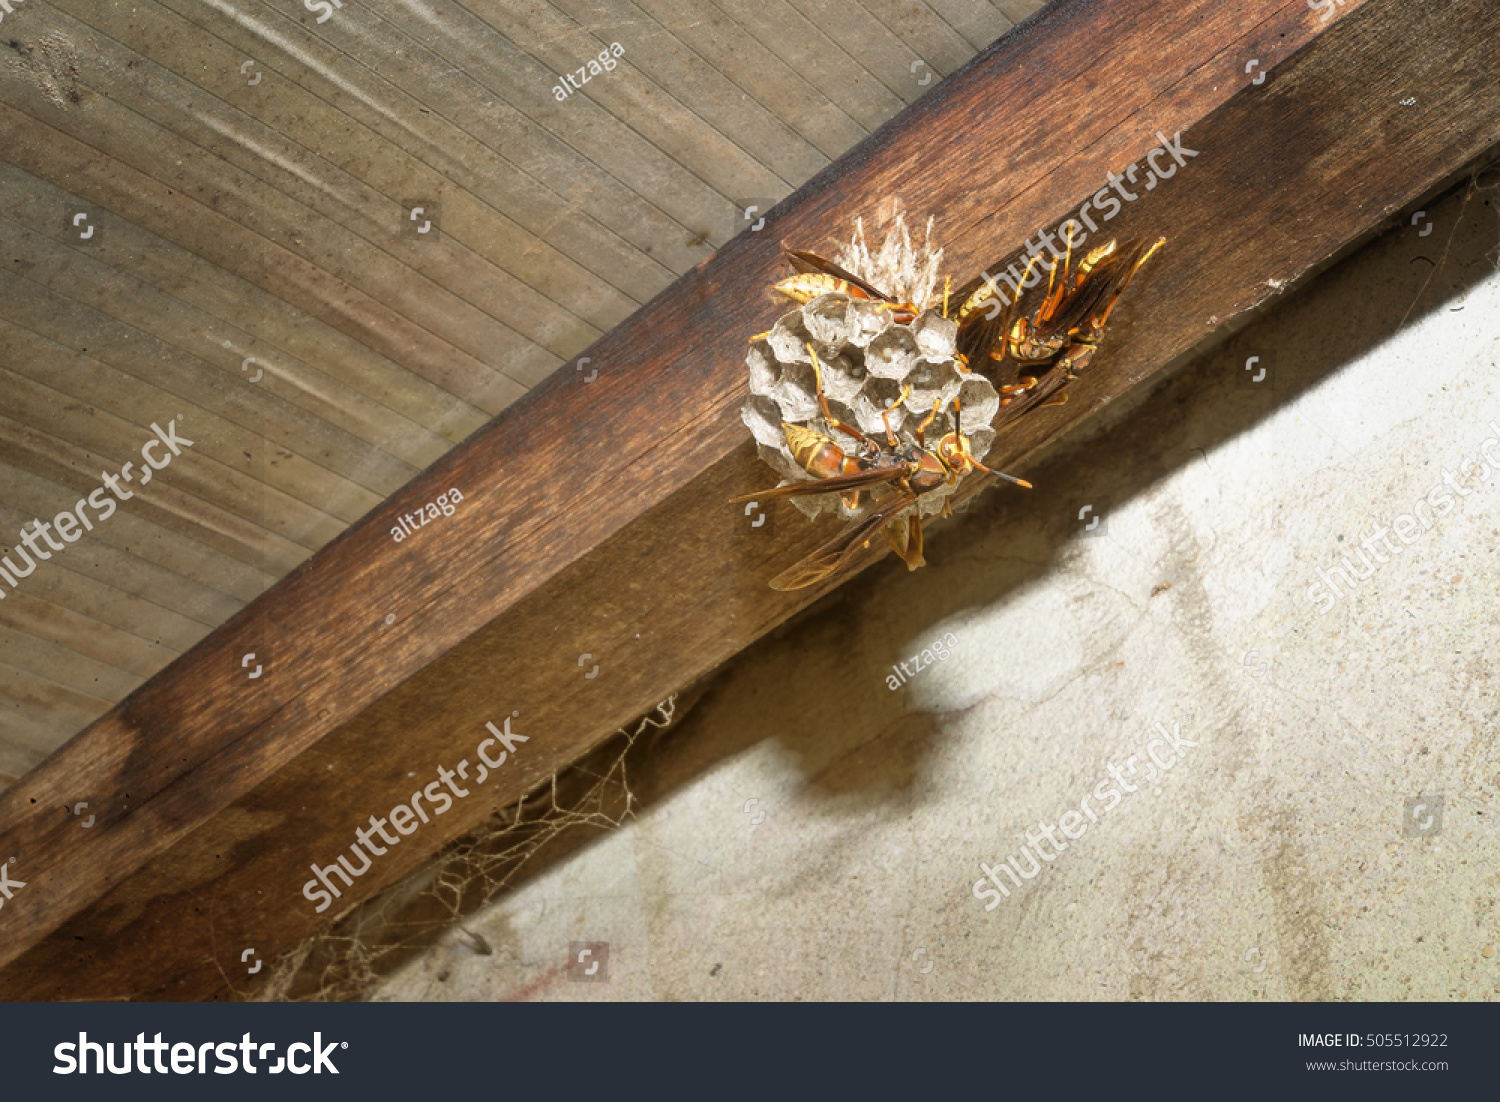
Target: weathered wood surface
x,y
275,233
596,517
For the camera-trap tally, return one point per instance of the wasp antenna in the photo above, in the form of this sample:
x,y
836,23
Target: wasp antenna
x,y
1149,253
818,380
1021,482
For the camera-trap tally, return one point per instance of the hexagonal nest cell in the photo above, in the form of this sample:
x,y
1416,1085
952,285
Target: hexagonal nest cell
x,y
867,359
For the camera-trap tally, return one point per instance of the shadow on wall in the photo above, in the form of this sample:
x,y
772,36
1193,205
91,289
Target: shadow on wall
x,y
854,736
818,685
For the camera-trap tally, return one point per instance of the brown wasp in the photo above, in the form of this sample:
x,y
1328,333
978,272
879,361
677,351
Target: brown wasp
x,y
909,469
1056,343
820,455
817,276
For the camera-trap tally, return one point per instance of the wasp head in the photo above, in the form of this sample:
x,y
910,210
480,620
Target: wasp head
x,y
953,450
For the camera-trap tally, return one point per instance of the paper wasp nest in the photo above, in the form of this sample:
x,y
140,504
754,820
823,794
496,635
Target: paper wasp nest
x,y
866,360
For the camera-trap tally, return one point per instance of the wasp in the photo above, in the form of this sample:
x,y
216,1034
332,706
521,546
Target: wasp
x,y
818,276
820,455
1058,341
908,469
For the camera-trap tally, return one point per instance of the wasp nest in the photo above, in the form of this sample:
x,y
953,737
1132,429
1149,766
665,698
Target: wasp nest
x,y
867,360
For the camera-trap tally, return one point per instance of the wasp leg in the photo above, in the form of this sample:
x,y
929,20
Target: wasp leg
x,y
913,554
828,416
1014,339
922,428
897,536
886,416
1014,392
1054,298
1012,329
1103,319
905,538
1007,323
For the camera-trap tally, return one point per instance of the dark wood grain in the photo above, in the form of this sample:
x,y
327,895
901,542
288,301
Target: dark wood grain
x,y
596,517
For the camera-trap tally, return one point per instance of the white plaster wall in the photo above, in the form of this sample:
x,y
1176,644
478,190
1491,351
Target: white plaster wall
x,y
1274,861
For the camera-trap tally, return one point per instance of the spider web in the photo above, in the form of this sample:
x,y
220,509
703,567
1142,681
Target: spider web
x,y
347,959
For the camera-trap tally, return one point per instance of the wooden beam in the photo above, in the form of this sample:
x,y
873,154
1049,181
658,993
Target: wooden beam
x,y
594,518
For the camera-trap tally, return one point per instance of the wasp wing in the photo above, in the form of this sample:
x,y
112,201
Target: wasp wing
x,y
967,298
1101,286
978,333
833,485
803,261
837,551
985,306
1086,308
1047,385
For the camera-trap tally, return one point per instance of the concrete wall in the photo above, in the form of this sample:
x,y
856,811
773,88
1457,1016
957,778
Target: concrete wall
x,y
1283,855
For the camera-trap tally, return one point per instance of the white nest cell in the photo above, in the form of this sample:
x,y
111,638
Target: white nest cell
x,y
867,359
